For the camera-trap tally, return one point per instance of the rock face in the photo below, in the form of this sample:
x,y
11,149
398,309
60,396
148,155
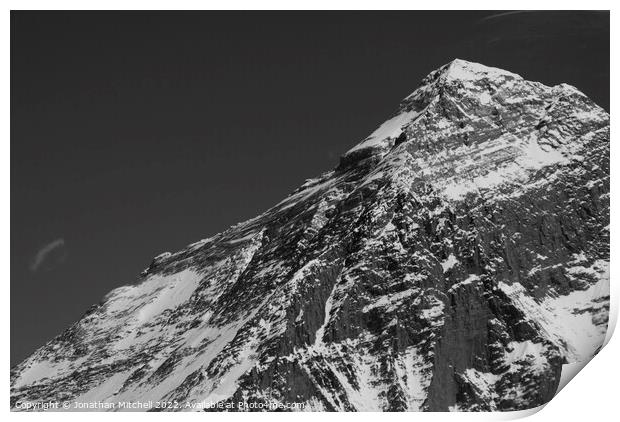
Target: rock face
x,y
456,259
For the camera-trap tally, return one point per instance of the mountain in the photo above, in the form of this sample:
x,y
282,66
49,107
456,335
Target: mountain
x,y
456,259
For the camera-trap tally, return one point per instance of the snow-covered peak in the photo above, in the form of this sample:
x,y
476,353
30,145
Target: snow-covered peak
x,y
455,260
467,79
470,127
463,70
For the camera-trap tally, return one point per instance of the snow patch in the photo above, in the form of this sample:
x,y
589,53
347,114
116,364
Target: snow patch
x,y
571,320
449,262
391,128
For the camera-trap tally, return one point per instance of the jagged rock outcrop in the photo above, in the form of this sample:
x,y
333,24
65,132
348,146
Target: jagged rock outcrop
x,y
455,259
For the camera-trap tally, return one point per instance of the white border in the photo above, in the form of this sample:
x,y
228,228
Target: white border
x,y
591,396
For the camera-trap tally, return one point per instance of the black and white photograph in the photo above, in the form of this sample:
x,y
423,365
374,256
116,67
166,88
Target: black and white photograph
x,y
307,210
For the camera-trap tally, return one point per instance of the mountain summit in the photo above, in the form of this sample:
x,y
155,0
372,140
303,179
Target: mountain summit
x,y
456,259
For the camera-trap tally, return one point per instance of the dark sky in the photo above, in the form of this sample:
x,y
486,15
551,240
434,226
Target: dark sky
x,y
138,133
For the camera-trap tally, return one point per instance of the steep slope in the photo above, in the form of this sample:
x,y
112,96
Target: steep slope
x,y
454,260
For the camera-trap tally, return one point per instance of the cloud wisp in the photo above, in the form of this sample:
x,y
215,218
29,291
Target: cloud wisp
x,y
45,253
